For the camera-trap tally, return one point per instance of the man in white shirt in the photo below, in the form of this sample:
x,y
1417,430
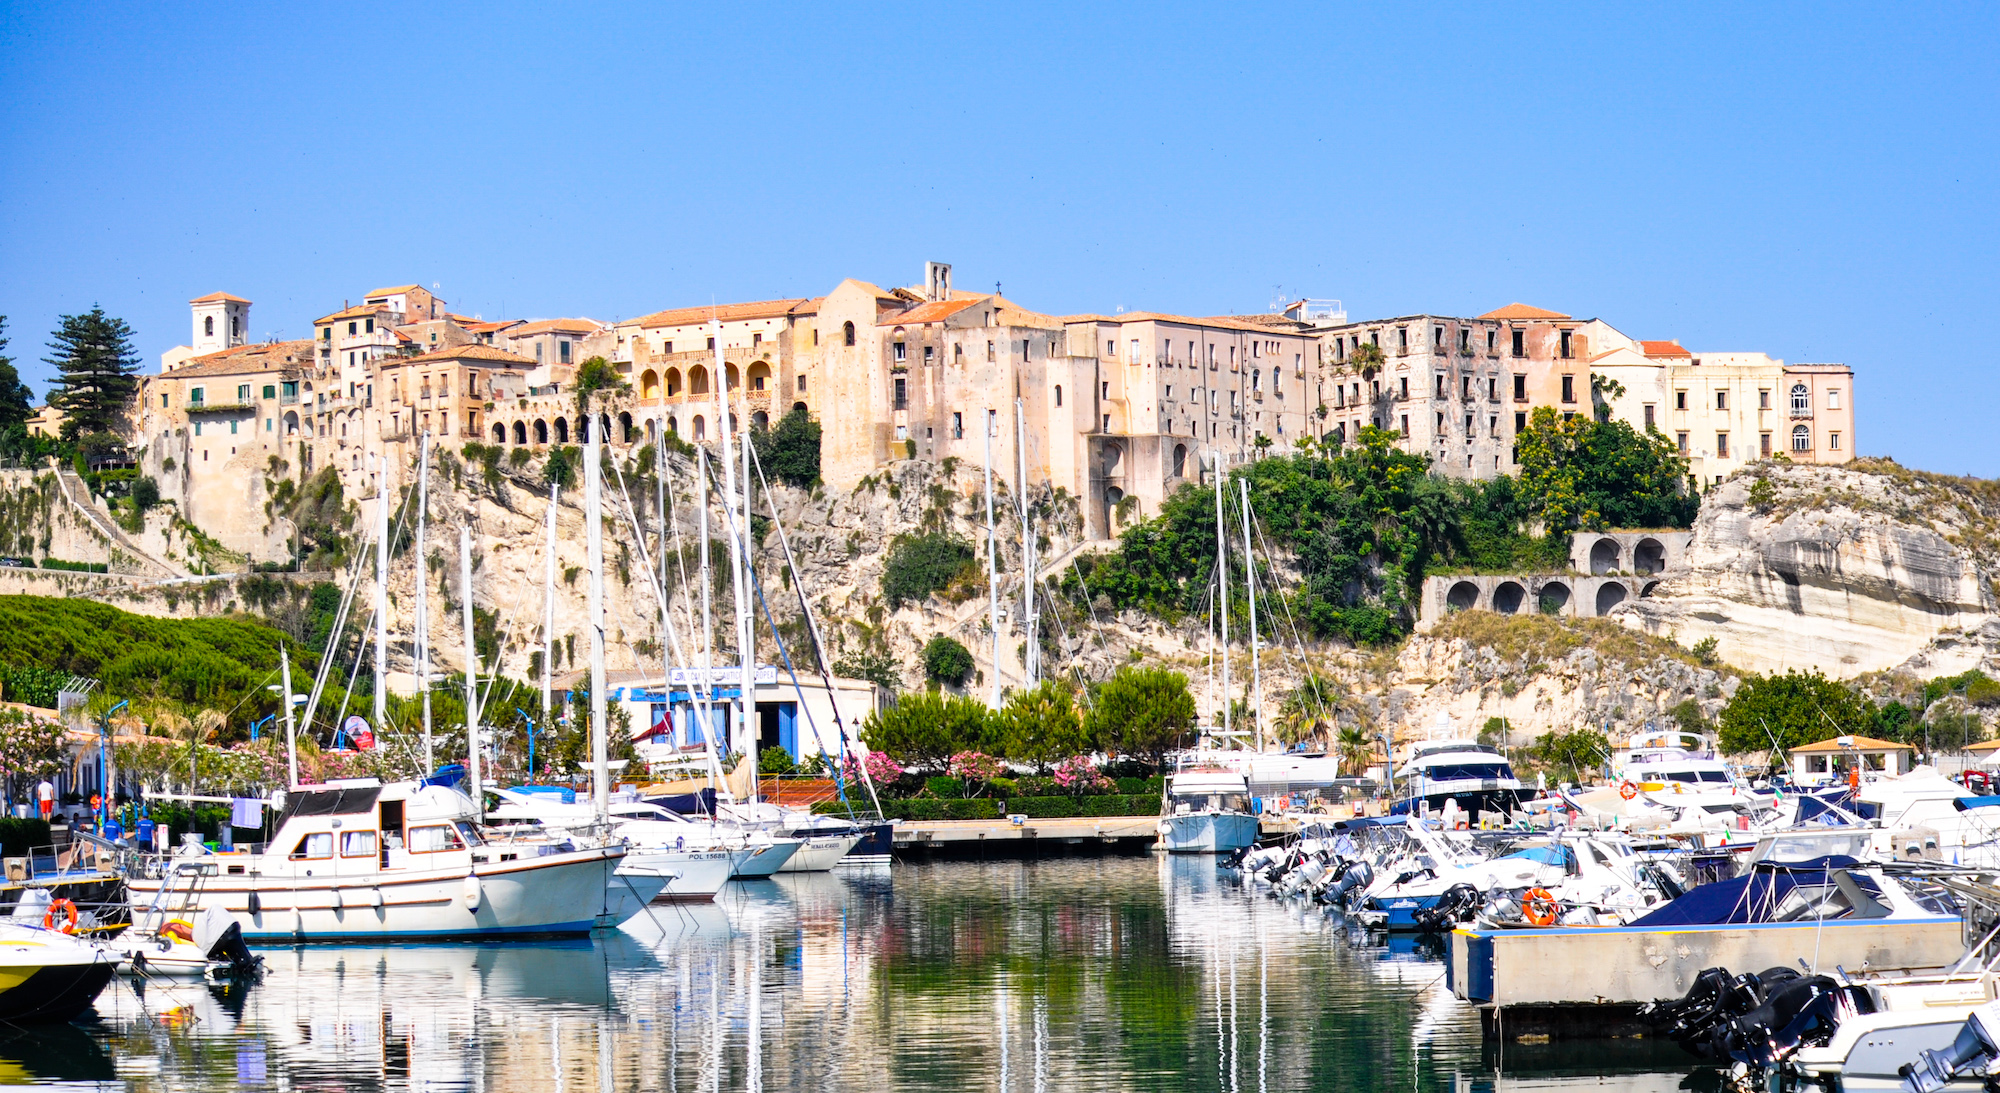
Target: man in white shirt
x,y
47,794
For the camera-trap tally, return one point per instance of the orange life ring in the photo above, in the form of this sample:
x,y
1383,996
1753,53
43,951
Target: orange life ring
x,y
1539,907
63,908
1627,790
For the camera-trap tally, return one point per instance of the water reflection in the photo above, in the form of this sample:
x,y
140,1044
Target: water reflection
x,y
1086,974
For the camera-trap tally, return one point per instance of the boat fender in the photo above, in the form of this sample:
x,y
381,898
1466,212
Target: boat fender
x,y
376,899
339,903
1627,790
472,892
1539,907
254,905
60,909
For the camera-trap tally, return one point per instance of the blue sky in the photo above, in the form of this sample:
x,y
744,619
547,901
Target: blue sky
x,y
1813,182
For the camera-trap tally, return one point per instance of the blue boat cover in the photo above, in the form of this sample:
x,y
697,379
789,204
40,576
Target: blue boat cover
x,y
1547,855
1963,803
1751,897
1819,810
687,804
448,776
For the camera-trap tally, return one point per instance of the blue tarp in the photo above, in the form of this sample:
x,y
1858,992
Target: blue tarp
x,y
1750,898
1818,810
448,776
687,804
1964,803
1547,855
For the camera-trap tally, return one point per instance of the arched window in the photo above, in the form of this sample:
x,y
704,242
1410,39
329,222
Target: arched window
x,y
1801,401
649,384
700,428
847,332
541,431
562,430
625,426
1180,461
674,426
760,420
235,326
760,376
208,326
698,380
499,434
673,382
1801,437
1058,394
520,433
730,377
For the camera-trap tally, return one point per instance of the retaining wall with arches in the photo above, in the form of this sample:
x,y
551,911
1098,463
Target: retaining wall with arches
x,y
1606,569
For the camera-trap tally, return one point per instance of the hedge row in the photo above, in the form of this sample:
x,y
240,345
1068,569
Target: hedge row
x,y
75,567
18,836
987,808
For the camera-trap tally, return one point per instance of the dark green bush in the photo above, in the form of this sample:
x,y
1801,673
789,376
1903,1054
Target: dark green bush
x,y
947,660
919,565
75,567
17,837
945,787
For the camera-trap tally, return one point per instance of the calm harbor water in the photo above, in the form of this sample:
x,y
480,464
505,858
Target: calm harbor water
x,y
1086,974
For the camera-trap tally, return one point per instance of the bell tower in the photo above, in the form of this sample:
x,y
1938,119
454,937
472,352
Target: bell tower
x,y
221,321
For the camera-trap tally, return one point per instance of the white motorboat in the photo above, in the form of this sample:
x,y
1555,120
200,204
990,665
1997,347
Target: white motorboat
x,y
1448,770
650,829
361,860
1206,811
47,975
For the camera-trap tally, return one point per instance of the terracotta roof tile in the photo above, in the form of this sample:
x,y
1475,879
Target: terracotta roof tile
x,y
556,326
242,359
214,297
473,352
1860,743
1523,311
472,327
934,312
1663,349
1220,322
393,289
359,311
729,313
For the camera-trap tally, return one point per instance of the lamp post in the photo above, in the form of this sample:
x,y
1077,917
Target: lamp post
x,y
531,741
104,763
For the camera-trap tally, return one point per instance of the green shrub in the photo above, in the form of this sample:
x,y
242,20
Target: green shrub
x,y
17,837
1983,692
945,787
947,661
1103,804
75,567
789,452
925,808
920,565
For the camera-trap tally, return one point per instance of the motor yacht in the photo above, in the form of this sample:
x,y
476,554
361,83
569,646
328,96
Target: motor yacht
x,y
1206,810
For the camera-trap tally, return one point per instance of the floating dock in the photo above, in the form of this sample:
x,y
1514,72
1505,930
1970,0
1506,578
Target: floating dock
x,y
1584,982
1029,839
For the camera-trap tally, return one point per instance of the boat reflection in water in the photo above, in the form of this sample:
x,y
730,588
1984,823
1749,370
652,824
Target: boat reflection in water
x,y
1121,973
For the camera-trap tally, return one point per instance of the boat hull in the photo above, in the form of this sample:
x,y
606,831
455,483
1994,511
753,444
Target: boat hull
x,y
686,876
1207,832
1400,912
819,853
52,992
757,862
552,895
1471,801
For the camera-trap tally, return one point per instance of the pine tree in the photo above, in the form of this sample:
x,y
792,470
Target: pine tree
x,y
15,398
99,370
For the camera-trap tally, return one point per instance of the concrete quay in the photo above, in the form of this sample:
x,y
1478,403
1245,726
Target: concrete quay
x,y
1043,838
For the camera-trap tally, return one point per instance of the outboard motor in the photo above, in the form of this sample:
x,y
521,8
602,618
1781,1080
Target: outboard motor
x,y
230,947
1977,1045
1354,880
1457,904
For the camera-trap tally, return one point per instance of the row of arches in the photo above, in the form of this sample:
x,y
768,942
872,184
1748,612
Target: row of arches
x,y
1607,555
623,429
673,383
1548,598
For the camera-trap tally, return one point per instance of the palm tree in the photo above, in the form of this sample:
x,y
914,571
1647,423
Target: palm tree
x,y
1355,748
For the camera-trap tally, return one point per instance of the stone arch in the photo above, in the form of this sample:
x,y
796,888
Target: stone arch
x,y
698,380
1646,593
604,432
541,431
760,376
499,433
520,433
1113,453
799,407
1180,461
652,431
1649,555
649,384
1507,597
758,418
1604,555
1113,495
1609,595
625,426
291,423
700,428
731,377
1464,596
1553,598
673,426
673,382
847,333
562,430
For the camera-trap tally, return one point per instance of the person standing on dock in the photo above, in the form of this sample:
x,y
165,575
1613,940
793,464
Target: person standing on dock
x,y
47,794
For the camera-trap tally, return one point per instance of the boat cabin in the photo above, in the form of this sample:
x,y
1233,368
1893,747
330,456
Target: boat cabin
x,y
1200,790
360,826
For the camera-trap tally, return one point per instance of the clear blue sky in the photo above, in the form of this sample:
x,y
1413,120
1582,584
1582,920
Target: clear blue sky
x,y
1815,183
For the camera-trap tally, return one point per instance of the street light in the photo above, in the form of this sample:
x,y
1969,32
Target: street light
x,y
531,741
104,763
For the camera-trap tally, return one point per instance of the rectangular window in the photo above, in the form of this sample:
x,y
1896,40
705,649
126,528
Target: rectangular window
x,y
668,347
1406,387
1104,390
563,351
802,383
1722,445
1110,347
319,844
1649,415
1493,388
1406,425
902,393
232,427
1465,387
1565,345
1520,343
1437,385
1520,423
1402,339
197,428
1340,349
270,391
957,425
351,330
1490,336
1833,398
1465,340
902,432
1681,442
930,351
1520,387
989,351
1437,336
431,838
1569,388
1722,400
1680,400
357,844
371,326
1763,399
1764,444
267,425
710,347
242,392
1833,442
1134,354
899,351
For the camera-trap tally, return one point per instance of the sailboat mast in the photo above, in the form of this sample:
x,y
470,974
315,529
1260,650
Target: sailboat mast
x,y
992,562
471,670
1250,586
744,735
1033,660
707,609
381,588
424,597
746,621
593,537
291,726
549,614
1222,586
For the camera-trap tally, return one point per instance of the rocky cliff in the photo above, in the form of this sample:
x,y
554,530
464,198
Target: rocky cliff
x,y
1847,570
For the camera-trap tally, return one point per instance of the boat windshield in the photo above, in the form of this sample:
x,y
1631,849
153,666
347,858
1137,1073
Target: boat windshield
x,y
1197,802
1447,772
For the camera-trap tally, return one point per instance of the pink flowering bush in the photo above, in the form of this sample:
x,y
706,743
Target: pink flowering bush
x,y
974,766
882,770
1077,775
